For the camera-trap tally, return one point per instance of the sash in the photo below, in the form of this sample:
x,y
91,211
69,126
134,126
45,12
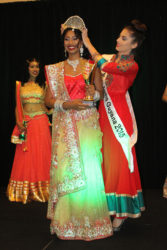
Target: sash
x,y
117,125
118,128
135,130
73,177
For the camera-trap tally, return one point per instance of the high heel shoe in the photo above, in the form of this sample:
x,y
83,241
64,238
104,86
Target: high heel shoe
x,y
117,229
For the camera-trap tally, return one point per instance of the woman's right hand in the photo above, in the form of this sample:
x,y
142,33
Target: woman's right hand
x,y
76,104
21,127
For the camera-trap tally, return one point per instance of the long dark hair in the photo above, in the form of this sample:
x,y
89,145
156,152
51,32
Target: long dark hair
x,y
25,76
138,30
78,34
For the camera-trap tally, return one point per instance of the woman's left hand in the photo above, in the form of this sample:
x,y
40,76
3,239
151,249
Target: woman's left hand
x,y
85,37
133,140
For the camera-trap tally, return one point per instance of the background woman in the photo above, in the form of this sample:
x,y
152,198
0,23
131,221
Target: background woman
x,y
77,204
117,121
29,178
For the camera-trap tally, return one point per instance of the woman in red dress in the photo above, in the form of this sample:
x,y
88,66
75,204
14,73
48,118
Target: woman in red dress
x,y
29,178
117,121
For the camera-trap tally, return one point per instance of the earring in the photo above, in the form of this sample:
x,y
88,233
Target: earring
x,y
65,53
81,51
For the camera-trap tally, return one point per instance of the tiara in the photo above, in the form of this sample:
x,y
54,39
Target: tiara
x,y
74,22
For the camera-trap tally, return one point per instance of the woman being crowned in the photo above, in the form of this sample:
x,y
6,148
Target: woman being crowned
x,y
77,204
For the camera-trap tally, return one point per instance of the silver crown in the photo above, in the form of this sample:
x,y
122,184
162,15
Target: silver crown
x,y
74,22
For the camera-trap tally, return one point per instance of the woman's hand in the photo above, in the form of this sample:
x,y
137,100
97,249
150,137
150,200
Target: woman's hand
x,y
85,38
21,127
90,90
133,140
76,104
62,28
164,96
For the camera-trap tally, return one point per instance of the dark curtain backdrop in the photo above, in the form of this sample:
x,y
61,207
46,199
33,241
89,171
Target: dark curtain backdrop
x,y
33,29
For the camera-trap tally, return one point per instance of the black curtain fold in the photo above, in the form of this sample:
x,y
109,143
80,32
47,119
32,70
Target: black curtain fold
x,y
33,29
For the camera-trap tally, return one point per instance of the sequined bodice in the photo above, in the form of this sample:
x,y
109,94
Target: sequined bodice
x,y
32,93
75,86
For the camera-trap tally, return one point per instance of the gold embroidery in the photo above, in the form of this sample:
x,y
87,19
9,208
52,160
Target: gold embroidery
x,y
25,191
32,93
32,114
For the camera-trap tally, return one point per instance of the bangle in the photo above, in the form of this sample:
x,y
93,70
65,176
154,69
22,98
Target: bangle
x,y
58,105
100,62
95,56
96,96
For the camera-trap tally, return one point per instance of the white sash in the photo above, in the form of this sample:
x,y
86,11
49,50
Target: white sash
x,y
118,128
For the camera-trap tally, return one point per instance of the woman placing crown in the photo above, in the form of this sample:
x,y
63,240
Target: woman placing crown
x,y
77,204
118,124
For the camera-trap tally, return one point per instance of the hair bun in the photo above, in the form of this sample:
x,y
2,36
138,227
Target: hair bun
x,y
139,26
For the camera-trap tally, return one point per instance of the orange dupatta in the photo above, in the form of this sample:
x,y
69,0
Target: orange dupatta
x,y
17,137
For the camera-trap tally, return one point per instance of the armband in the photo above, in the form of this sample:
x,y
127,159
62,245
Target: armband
x,y
96,96
100,62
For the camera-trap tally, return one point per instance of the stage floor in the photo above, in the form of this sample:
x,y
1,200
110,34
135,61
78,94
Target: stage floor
x,y
25,227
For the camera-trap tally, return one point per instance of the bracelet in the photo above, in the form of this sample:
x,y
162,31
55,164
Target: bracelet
x,y
95,56
100,62
96,96
58,105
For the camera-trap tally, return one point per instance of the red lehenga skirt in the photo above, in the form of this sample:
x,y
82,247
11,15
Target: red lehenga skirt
x,y
123,188
29,178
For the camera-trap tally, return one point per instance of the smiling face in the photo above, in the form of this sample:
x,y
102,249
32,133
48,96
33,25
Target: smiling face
x,y
33,70
72,43
125,42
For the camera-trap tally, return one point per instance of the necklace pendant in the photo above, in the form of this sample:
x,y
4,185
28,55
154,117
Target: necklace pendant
x,y
73,63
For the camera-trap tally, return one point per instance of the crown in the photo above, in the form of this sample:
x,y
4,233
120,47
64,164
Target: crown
x,y
74,22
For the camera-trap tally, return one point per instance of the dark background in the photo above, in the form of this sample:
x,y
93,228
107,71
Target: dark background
x,y
33,29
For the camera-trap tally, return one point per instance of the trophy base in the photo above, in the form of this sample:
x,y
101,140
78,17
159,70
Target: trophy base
x,y
90,103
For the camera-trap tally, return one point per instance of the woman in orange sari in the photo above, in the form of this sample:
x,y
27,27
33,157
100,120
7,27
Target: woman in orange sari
x,y
29,178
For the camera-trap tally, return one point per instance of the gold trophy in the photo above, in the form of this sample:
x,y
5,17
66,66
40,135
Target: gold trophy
x,y
88,98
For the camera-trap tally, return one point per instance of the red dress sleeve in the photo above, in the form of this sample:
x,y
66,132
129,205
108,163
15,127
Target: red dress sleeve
x,y
123,68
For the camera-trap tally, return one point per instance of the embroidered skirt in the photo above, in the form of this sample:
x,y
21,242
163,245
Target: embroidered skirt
x,y
29,178
82,215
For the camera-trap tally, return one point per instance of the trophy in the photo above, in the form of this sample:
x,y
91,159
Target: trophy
x,y
89,100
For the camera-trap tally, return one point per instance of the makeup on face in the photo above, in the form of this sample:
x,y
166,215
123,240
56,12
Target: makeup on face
x,y
33,69
71,42
125,42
